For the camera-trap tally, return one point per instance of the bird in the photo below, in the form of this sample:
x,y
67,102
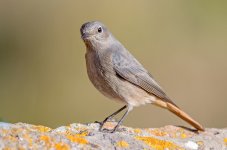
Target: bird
x,y
118,75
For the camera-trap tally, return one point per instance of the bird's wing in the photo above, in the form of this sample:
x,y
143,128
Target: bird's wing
x,y
127,67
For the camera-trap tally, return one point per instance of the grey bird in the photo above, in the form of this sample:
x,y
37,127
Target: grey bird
x,y
119,76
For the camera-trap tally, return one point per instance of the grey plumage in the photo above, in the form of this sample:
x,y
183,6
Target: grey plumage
x,y
118,75
132,71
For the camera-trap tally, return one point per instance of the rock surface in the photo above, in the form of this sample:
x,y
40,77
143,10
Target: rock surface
x,y
87,136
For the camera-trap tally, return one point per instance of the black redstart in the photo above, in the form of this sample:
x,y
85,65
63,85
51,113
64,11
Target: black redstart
x,y
119,76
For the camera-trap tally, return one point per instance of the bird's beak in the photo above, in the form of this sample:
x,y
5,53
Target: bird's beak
x,y
84,36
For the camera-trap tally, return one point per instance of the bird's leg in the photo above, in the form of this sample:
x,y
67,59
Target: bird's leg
x,y
121,120
111,116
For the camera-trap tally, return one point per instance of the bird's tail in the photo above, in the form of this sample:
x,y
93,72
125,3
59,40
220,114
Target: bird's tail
x,y
177,111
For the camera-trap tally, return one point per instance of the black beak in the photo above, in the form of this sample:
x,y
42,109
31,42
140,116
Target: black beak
x,y
84,36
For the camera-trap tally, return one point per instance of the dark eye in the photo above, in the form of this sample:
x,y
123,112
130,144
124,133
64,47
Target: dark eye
x,y
100,29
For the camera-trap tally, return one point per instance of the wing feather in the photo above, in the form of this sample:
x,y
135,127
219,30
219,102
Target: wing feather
x,y
126,66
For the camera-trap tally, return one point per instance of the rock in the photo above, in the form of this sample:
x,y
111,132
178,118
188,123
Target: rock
x,y
87,136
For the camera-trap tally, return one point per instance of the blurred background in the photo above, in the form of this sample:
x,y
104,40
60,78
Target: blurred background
x,y
43,78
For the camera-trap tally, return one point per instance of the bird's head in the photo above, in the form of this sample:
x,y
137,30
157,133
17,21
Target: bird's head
x,y
95,33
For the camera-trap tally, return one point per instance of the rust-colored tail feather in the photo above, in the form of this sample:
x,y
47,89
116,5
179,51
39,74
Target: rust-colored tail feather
x,y
177,111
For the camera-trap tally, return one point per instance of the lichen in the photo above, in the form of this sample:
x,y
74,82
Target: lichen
x,y
28,138
225,141
138,131
46,139
84,133
42,128
158,132
158,144
61,146
122,144
78,139
183,135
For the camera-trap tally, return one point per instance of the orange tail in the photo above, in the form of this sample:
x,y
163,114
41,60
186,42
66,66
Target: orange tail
x,y
177,111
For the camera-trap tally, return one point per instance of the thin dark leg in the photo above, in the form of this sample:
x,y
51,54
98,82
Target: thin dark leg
x,y
121,120
112,115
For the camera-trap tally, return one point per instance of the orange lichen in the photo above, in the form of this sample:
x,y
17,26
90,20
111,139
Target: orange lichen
x,y
183,135
61,146
42,128
77,139
67,132
122,144
225,141
84,133
138,131
28,138
158,132
159,144
46,139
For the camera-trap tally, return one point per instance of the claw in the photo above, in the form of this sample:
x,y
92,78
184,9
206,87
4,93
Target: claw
x,y
98,122
108,130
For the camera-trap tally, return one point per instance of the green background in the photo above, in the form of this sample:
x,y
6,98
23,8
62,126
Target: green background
x,y
43,77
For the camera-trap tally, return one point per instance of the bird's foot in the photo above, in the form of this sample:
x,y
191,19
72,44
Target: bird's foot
x,y
105,130
107,127
100,123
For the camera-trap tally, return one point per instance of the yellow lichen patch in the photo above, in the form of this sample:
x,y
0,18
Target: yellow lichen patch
x,y
138,131
183,135
122,144
46,139
61,146
42,128
67,132
157,132
77,139
225,141
28,138
159,144
84,133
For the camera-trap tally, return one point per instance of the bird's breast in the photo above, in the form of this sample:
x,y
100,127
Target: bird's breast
x,y
101,74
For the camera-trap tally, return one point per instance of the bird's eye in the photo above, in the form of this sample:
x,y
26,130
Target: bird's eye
x,y
100,29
